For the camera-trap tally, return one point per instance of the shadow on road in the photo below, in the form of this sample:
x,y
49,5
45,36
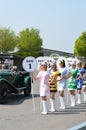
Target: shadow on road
x,y
64,113
71,110
16,99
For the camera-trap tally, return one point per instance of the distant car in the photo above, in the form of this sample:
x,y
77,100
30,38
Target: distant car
x,y
14,82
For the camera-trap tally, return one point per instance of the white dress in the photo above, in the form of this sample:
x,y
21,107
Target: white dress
x,y
63,83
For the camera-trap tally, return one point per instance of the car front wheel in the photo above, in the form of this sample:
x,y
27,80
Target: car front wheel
x,y
27,91
3,92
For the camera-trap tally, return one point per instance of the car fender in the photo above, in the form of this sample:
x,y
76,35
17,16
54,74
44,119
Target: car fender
x,y
11,87
4,80
7,82
27,80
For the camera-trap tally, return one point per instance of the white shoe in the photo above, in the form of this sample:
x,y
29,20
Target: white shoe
x,y
84,94
52,103
73,101
84,99
45,110
52,110
78,102
44,113
79,98
72,105
62,101
62,107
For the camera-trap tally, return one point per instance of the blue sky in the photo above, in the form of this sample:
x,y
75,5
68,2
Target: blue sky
x,y
60,22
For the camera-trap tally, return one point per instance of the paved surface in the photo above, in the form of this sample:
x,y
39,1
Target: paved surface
x,y
18,114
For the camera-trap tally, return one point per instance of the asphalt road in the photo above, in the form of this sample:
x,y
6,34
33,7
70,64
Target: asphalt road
x,y
20,113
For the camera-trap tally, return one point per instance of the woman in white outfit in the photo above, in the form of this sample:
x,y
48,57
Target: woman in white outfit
x,y
62,83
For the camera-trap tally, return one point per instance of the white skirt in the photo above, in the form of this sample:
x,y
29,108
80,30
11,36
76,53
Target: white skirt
x,y
61,87
44,90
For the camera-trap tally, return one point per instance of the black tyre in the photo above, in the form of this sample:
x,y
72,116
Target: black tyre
x,y
27,91
3,92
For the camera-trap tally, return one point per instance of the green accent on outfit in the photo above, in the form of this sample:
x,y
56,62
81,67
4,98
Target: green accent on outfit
x,y
71,80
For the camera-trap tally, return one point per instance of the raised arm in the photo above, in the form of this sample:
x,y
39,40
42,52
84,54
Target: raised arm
x,y
35,77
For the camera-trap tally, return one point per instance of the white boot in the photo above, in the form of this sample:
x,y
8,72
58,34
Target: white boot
x,y
84,93
52,103
79,98
62,101
73,101
45,110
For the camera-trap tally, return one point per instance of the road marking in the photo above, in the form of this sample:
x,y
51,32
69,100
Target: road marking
x,y
81,126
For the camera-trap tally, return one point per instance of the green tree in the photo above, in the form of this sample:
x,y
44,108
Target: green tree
x,y
29,43
80,45
8,40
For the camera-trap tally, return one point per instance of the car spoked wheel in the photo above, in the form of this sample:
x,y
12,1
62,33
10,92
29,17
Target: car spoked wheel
x,y
3,92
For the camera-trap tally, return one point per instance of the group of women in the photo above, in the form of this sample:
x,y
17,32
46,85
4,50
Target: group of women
x,y
58,79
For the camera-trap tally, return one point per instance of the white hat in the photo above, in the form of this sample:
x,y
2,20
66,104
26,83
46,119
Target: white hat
x,y
73,63
78,61
52,63
43,63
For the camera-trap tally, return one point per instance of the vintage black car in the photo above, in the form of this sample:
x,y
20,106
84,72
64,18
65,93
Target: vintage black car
x,y
14,82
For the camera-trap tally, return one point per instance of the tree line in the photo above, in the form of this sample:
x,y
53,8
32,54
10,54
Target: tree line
x,y
28,42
